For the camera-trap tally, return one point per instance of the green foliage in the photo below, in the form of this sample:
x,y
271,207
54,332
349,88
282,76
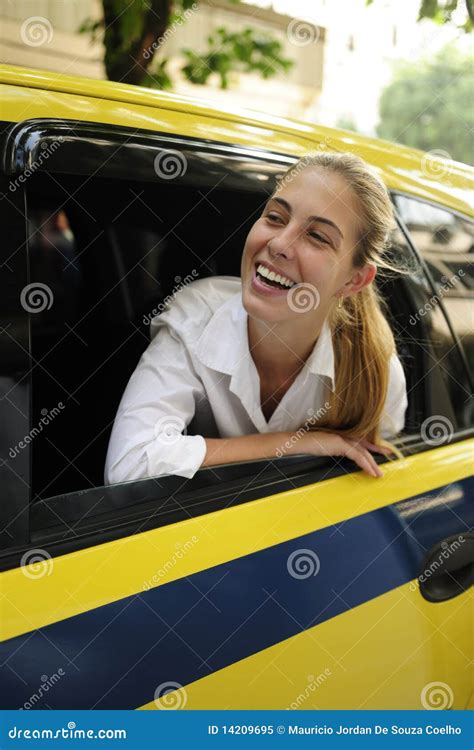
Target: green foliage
x,y
158,78
441,11
93,27
132,34
247,51
178,7
430,106
346,122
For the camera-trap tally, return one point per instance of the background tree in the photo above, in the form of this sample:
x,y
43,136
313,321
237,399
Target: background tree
x,y
346,122
441,11
134,31
429,105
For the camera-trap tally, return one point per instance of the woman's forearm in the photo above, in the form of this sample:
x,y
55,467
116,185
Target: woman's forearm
x,y
247,448
277,444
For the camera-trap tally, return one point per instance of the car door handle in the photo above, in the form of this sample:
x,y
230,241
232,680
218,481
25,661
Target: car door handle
x,y
448,568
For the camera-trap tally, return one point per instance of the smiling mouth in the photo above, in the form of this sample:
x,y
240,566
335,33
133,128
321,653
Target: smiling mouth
x,y
272,279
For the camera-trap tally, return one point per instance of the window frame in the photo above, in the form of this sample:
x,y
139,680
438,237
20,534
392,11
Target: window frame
x,y
233,483
15,411
464,217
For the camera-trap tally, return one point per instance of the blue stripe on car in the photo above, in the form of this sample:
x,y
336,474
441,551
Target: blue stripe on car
x,y
115,656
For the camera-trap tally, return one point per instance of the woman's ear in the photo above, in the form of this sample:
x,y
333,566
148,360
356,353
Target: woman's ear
x,y
361,278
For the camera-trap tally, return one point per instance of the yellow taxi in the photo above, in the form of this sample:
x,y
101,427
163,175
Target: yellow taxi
x,y
294,583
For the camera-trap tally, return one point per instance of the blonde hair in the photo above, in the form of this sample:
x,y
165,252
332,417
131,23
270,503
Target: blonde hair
x,y
362,338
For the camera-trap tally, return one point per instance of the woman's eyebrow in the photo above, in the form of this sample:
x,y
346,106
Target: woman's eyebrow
x,y
321,219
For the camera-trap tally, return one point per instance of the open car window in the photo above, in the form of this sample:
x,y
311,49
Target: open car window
x,y
445,243
108,242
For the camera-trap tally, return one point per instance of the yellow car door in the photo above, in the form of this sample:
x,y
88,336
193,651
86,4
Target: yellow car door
x,y
294,583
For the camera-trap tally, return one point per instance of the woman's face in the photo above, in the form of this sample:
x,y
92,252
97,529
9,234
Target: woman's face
x,y
307,234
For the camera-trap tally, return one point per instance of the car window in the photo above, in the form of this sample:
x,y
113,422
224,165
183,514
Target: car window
x,y
104,262
106,247
444,241
15,368
105,255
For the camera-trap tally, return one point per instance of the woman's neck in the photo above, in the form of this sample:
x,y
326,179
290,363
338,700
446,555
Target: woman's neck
x,y
278,350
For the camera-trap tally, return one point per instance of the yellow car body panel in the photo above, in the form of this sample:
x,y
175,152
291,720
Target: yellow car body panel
x,y
30,94
382,647
353,646
333,664
267,522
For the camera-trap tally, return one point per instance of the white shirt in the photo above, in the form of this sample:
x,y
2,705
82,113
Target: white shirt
x,y
197,379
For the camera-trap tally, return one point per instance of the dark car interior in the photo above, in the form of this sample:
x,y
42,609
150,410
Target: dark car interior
x,y
111,254
112,249
110,259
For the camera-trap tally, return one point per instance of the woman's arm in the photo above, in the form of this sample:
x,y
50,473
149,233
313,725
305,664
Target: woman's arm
x,y
158,403
275,444
393,417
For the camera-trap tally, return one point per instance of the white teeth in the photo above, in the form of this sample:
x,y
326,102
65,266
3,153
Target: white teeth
x,y
272,276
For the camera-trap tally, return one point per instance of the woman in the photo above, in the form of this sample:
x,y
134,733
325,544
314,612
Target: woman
x,y
294,357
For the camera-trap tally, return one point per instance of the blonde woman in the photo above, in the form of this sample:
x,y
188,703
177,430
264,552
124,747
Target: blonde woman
x,y
295,357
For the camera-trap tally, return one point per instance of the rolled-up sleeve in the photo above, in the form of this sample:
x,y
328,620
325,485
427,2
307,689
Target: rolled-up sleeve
x,y
149,433
393,417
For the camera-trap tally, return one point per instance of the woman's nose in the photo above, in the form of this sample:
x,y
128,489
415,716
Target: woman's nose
x,y
283,245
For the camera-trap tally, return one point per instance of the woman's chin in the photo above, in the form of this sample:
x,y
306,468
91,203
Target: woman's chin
x,y
267,310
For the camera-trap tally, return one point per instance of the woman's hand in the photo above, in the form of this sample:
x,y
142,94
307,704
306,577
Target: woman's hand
x,y
277,444
321,443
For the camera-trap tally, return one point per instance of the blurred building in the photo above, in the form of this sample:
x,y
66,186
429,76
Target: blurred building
x,y
27,40
343,51
362,47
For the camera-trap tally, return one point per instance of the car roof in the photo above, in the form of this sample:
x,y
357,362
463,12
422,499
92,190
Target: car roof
x,y
424,175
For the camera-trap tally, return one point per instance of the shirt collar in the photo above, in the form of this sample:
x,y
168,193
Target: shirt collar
x,y
321,360
223,345
224,340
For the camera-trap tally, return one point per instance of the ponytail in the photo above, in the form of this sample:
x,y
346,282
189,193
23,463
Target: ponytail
x,y
362,338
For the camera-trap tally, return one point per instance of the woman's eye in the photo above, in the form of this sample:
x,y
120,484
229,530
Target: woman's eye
x,y
318,237
273,217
